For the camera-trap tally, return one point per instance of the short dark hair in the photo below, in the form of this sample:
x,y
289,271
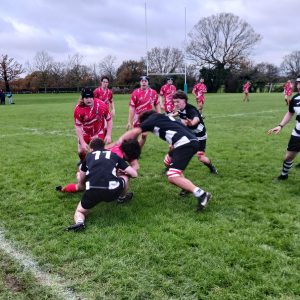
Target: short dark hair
x,y
97,144
180,95
104,77
145,115
131,149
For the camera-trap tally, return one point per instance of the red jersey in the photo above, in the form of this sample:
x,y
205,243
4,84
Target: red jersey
x,y
167,91
288,89
142,100
106,96
117,150
200,89
246,87
92,119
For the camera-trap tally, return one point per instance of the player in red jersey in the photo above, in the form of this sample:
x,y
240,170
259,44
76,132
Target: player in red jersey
x,y
288,91
166,95
199,91
105,94
246,88
142,99
90,115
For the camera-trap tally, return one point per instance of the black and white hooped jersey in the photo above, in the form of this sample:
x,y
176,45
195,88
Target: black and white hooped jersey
x,y
294,107
168,129
100,168
190,112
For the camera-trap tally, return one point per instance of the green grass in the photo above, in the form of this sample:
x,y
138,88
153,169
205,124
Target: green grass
x,y
244,246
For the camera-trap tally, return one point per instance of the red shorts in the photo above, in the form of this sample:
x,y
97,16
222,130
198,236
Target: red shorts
x,y
200,99
101,135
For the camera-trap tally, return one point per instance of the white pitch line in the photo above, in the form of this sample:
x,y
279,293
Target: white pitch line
x,y
54,282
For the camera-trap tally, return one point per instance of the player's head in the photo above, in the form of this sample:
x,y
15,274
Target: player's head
x,y
87,97
169,80
145,115
97,144
144,81
104,80
131,149
180,99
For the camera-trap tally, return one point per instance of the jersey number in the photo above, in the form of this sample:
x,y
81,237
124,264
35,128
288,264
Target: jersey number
x,y
106,154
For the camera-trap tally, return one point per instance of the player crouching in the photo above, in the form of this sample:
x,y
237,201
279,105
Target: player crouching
x,y
99,174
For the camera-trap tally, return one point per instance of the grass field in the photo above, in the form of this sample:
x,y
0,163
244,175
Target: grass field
x,y
245,245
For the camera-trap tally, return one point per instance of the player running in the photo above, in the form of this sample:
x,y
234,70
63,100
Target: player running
x,y
184,143
190,117
294,142
142,99
199,91
166,95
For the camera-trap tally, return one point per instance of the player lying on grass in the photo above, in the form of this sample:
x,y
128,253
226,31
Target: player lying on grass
x,y
185,145
99,174
129,150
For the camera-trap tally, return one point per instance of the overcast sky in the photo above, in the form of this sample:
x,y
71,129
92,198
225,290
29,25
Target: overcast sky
x,y
97,28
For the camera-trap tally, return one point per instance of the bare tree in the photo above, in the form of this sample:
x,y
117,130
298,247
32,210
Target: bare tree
x,y
43,64
291,64
221,41
76,72
9,70
165,60
107,67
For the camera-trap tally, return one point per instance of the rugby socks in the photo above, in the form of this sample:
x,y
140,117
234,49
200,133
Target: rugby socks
x,y
79,221
210,166
286,167
198,192
70,188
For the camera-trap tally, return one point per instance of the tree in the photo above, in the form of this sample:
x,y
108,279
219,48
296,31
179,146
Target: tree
x,y
43,64
221,40
291,64
129,72
9,70
76,74
165,60
108,68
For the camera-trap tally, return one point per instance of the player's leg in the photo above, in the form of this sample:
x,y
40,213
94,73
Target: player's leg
x,y
287,164
79,218
143,139
181,158
203,158
125,196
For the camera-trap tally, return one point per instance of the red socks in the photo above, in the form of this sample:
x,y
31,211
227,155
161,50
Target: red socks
x,y
70,188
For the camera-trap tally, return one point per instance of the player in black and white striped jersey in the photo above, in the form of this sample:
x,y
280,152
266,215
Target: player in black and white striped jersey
x,y
184,144
294,142
190,117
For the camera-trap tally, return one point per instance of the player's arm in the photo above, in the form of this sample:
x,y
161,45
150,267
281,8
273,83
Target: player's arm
x,y
108,131
112,107
131,172
287,117
161,101
79,133
130,117
135,164
131,134
157,104
192,122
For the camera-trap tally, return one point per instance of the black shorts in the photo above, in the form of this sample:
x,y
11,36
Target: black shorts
x,y
92,197
181,156
294,144
202,145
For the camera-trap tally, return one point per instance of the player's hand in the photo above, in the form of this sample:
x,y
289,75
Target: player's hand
x,y
113,112
107,139
275,130
129,126
188,122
